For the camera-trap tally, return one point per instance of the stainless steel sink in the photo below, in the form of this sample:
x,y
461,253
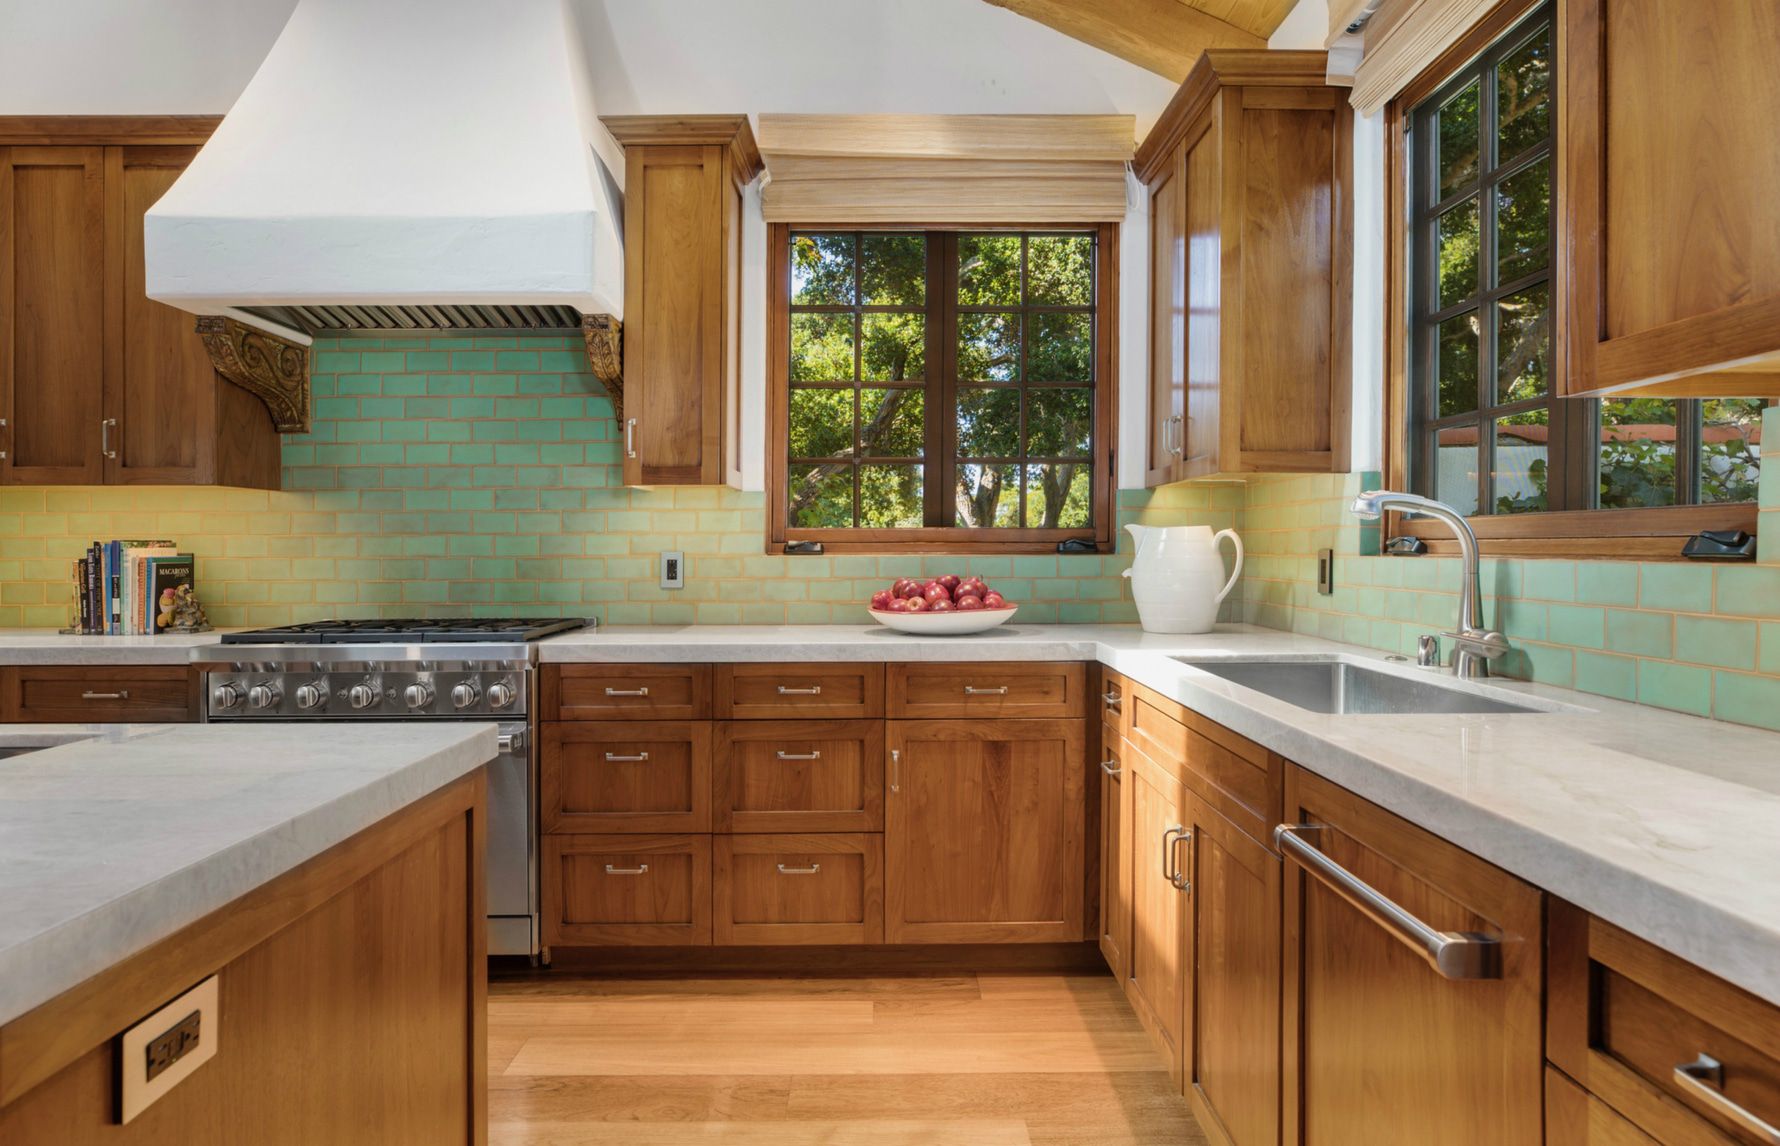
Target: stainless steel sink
x,y
1340,688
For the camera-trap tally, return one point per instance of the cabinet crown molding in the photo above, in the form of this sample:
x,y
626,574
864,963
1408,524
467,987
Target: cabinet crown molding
x,y
1216,70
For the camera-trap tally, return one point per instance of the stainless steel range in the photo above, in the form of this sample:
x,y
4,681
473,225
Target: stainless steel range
x,y
445,669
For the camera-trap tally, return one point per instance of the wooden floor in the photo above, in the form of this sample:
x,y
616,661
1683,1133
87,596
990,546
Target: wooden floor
x,y
962,1060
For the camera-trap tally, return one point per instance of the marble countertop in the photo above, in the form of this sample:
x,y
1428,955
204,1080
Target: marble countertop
x,y
48,647
113,837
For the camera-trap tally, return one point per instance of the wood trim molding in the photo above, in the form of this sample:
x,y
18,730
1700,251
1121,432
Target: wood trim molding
x,y
275,370
603,336
1162,36
731,131
1402,38
104,130
1214,72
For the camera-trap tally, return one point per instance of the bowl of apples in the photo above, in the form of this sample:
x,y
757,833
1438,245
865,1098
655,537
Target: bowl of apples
x,y
940,606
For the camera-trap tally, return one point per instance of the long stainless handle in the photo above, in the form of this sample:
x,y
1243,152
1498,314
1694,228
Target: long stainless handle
x,y
627,691
105,437
896,770
618,758
121,694
813,690
630,437
784,755
1109,767
1702,1077
972,690
1168,836
1454,954
811,870
1180,881
640,869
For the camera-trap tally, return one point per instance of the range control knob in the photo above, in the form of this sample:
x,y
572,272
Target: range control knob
x,y
227,695
465,694
311,696
264,695
418,695
362,696
500,694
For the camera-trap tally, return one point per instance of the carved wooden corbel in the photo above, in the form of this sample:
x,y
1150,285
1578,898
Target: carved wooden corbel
x,y
275,370
604,337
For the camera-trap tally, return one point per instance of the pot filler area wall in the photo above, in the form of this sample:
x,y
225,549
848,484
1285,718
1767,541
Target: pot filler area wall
x,y
456,475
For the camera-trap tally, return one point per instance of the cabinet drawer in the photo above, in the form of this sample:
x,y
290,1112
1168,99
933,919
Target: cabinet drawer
x,y
1628,1020
756,692
58,695
799,776
799,889
928,691
1111,703
1240,779
620,776
627,692
627,891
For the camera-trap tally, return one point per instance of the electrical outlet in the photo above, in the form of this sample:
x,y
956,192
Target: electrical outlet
x,y
673,570
1325,571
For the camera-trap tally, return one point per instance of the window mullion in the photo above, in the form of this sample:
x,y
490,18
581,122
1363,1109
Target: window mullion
x,y
942,393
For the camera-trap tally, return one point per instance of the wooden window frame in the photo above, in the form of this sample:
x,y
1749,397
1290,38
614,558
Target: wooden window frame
x,y
938,459
1653,533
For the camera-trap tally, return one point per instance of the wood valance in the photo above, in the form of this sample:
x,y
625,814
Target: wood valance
x,y
864,169
1397,41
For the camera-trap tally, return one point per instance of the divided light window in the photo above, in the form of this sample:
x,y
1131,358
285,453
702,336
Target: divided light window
x,y
1486,433
941,387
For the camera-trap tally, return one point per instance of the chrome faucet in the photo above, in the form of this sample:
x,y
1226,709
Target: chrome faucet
x,y
1474,646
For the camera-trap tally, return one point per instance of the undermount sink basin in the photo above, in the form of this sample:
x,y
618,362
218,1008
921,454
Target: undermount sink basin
x,y
1343,689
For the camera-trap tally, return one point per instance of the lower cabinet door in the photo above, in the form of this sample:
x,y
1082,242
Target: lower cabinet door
x,y
800,776
1115,863
794,889
984,831
627,891
1156,981
625,776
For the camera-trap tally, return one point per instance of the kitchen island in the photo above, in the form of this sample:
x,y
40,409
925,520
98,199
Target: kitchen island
x,y
325,883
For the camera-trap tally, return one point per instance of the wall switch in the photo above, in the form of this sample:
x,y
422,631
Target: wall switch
x,y
1325,571
673,570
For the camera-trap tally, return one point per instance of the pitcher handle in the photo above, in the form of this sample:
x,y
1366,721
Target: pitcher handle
x,y
1236,573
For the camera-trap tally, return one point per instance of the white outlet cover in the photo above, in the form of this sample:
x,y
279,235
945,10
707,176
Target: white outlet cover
x,y
673,569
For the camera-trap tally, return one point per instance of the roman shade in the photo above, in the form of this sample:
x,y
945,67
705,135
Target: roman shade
x,y
1395,42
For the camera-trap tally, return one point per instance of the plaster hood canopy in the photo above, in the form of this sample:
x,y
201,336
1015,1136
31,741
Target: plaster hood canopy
x,y
402,164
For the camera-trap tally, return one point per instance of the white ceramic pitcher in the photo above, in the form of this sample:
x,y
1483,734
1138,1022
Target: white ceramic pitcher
x,y
1175,576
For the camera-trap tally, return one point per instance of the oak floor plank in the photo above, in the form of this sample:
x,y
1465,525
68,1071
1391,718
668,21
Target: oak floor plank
x,y
901,1132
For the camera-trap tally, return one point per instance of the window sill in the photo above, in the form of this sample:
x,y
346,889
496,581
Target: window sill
x,y
1603,534
918,542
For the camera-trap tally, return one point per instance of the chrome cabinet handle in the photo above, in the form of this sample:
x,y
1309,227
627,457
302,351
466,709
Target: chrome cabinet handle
x,y
972,690
1454,954
784,755
626,691
1702,1078
630,437
1168,838
1111,699
896,769
640,869
105,437
618,758
121,694
2,427
813,690
1110,767
1180,881
811,870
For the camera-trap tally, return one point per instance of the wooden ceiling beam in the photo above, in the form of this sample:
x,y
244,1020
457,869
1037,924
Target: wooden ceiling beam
x,y
1163,36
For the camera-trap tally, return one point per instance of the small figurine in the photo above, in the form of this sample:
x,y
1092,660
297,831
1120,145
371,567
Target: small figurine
x,y
186,615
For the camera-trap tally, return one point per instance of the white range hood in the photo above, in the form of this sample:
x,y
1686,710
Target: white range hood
x,y
402,164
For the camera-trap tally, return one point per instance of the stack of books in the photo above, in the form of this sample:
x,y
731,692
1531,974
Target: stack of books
x,y
125,588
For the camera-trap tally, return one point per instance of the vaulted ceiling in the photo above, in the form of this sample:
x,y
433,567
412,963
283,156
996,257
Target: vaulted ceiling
x,y
1164,36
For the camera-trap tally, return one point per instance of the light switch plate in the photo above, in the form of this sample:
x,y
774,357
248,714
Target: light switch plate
x,y
673,570
169,1045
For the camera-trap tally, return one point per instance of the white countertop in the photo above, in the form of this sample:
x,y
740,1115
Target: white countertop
x,y
125,833
48,647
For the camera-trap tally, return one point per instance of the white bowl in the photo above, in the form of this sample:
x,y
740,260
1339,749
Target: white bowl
x,y
948,624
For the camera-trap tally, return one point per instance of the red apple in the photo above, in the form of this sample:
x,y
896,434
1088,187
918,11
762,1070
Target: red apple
x,y
897,605
882,598
951,581
937,592
940,605
909,590
972,585
968,602
915,604
901,587
994,600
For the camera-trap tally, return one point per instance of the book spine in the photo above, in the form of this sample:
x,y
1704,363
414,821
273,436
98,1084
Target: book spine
x,y
92,588
113,588
80,594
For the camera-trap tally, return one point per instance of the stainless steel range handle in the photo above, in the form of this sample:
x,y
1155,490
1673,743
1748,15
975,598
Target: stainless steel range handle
x,y
510,741
1110,767
784,755
121,694
105,437
1702,1078
811,870
998,690
1454,954
640,869
813,690
620,758
627,691
630,437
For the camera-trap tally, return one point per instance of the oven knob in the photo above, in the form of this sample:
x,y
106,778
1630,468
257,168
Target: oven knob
x,y
310,696
362,696
264,695
464,695
227,695
500,695
418,695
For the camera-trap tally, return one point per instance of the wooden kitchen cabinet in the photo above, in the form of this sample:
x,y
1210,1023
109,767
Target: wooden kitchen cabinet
x,y
799,889
66,694
1668,243
799,776
1156,982
626,891
1380,1047
984,831
989,690
1249,170
1115,861
625,776
683,184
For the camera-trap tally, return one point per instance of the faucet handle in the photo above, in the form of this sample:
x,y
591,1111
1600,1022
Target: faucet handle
x,y
1486,643
1427,650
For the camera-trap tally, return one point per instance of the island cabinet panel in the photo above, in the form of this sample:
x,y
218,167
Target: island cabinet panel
x,y
67,694
799,776
994,689
1574,1117
626,692
626,776
769,692
1115,861
627,891
1156,979
796,889
984,831
1381,1047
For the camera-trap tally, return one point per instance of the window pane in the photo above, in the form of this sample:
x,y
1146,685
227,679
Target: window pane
x,y
822,348
822,496
1057,496
988,423
1060,270
989,347
1730,448
1058,423
822,270
1523,96
988,496
1457,253
821,422
893,270
1520,480
1637,460
1523,344
1523,222
989,270
895,347
1062,348
1457,156
889,496
1457,368
1455,467
892,423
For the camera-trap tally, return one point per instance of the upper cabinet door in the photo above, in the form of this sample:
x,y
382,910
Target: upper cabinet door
x,y
1168,277
1668,225
52,309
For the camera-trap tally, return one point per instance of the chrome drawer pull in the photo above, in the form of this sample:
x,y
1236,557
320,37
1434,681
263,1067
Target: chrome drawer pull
x,y
1111,699
105,428
121,694
630,437
1168,836
1110,767
811,870
896,769
1454,954
626,691
1703,1078
1180,881
640,869
972,690
784,755
620,758
813,690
